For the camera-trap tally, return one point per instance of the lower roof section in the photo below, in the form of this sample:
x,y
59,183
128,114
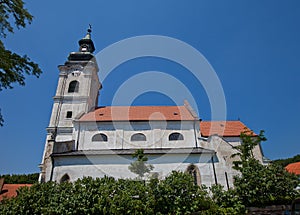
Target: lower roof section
x,y
131,151
224,128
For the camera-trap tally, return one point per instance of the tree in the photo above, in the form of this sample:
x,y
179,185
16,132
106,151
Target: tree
x,y
285,162
177,194
139,166
245,150
21,179
14,67
260,185
228,201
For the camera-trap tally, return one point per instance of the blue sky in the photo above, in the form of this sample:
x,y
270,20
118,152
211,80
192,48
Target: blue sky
x,y
253,47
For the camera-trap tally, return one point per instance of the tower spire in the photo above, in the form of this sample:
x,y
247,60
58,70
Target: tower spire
x,y
86,44
88,34
86,48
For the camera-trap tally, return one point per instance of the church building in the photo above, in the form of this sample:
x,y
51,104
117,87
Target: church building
x,y
86,140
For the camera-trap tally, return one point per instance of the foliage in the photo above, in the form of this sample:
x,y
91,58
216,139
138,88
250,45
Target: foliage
x,y
1,119
228,201
13,9
139,166
14,67
245,150
21,179
177,194
259,185
285,162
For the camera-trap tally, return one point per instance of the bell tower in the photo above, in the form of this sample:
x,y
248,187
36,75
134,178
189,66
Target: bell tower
x,y
77,90
76,94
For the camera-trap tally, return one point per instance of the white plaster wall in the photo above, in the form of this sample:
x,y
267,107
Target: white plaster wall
x,y
117,166
119,135
235,141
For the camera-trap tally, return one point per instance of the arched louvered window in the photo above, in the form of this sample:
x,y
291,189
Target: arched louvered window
x,y
138,137
175,136
99,138
65,178
195,173
73,87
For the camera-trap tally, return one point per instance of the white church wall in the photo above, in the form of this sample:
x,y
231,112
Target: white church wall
x,y
119,135
117,166
235,141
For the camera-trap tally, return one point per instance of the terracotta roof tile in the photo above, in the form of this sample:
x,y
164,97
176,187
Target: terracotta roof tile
x,y
294,168
138,113
222,128
10,190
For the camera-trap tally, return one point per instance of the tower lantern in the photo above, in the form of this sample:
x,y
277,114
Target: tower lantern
x,y
86,44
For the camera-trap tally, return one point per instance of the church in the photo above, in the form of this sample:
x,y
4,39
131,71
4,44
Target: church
x,y
86,140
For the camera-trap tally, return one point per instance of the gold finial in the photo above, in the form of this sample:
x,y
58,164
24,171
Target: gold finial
x,y
88,35
90,28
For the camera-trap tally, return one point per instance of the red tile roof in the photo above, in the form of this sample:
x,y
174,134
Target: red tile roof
x,y
138,113
169,113
10,190
293,168
222,128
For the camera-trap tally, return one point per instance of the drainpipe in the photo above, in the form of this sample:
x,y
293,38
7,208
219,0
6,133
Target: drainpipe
x,y
78,136
214,169
226,177
195,134
52,168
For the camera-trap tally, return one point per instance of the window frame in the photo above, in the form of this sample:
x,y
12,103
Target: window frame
x,y
136,137
103,136
69,115
194,171
73,87
65,178
179,136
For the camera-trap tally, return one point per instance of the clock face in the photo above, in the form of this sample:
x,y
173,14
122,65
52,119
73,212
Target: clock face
x,y
75,70
76,73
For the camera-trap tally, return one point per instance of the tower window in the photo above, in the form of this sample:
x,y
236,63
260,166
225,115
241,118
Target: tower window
x,y
69,114
175,136
73,87
99,138
138,137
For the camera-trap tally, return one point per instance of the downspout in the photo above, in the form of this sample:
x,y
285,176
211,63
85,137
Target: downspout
x,y
78,136
227,183
52,168
122,139
214,169
195,134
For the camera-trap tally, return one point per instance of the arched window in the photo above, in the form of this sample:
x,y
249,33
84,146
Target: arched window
x,y
175,136
138,137
99,138
195,173
65,178
73,87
